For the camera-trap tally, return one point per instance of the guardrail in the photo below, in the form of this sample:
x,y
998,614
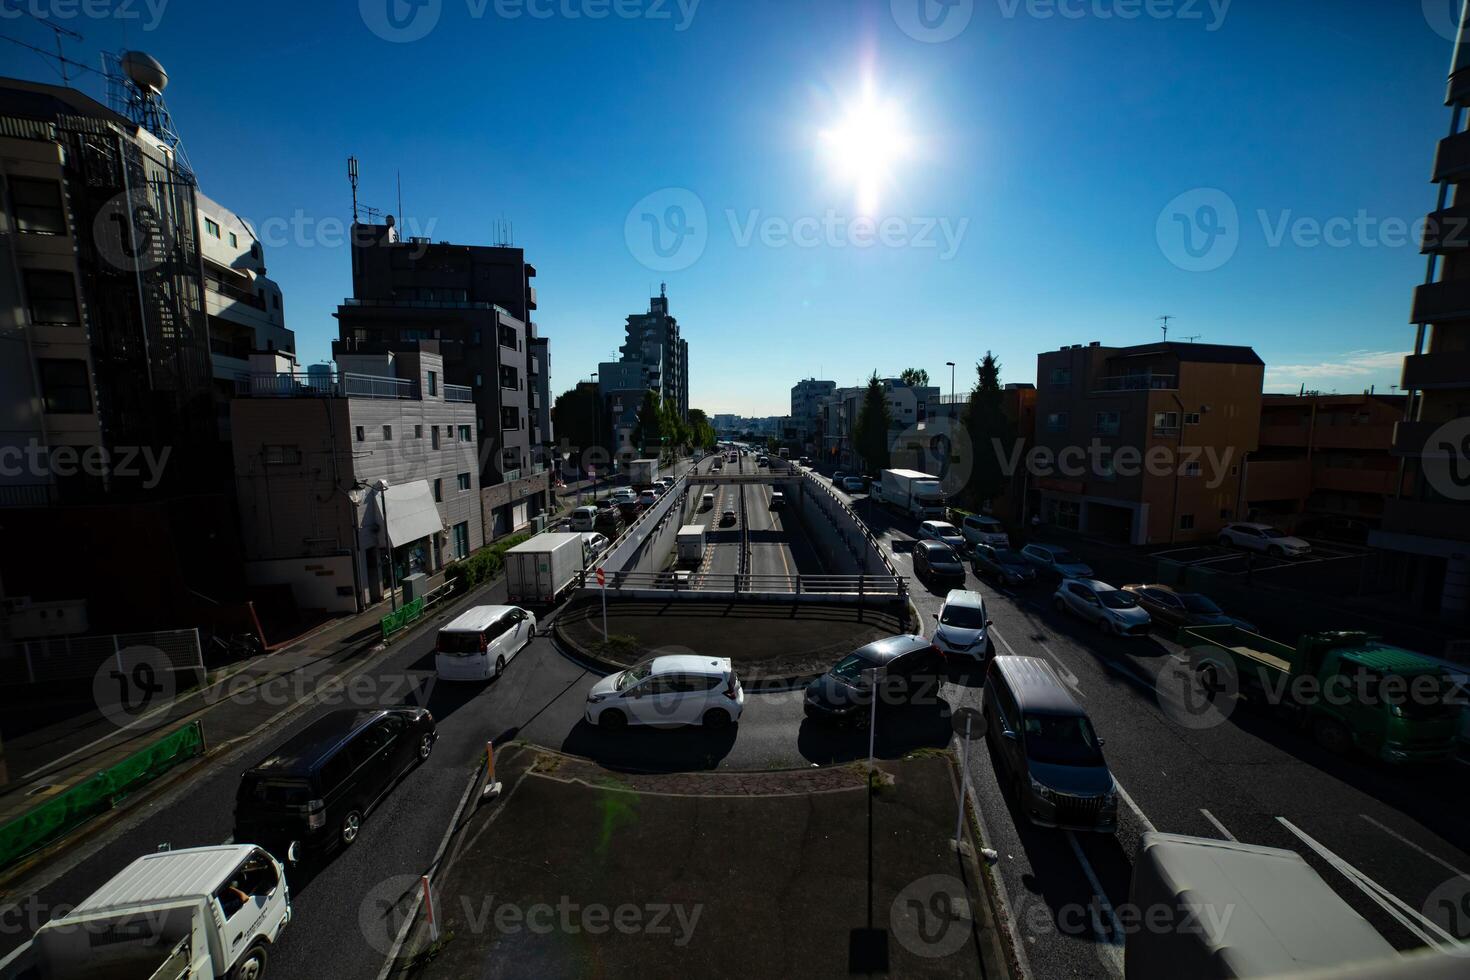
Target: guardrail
x,y
700,586
76,657
873,545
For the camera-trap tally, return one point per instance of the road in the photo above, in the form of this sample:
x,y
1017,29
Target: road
x,y
778,545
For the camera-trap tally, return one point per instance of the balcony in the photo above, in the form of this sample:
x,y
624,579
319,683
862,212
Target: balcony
x,y
1452,159
1138,382
1449,369
419,304
1447,230
458,393
301,385
1437,301
1410,438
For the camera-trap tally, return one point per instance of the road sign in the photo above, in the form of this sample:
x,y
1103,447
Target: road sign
x,y
601,578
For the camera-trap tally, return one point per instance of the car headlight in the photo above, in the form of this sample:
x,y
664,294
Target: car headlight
x,y
1043,791
596,698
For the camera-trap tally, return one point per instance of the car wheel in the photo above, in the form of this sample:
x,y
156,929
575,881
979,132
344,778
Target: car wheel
x,y
716,718
251,966
613,720
1332,736
426,746
351,827
499,666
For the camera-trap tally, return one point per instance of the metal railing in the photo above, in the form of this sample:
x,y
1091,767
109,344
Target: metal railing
x,y
458,393
1139,382
371,386
77,657
744,583
299,384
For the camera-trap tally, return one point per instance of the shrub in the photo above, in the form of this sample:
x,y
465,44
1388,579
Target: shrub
x,y
483,565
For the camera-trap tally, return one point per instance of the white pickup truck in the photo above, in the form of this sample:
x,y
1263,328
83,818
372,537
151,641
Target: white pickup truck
x,y
195,913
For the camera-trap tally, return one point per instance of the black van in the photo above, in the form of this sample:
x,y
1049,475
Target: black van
x,y
310,795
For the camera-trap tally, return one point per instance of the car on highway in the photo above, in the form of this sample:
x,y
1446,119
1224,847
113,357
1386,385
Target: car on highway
x,y
1263,538
594,545
311,795
1001,566
778,500
1176,609
648,498
1055,562
853,484
1048,750
898,671
668,691
707,502
963,626
1111,609
624,495
935,561
980,529
609,520
762,461
727,519
837,477
804,461
583,518
478,643
946,532
717,467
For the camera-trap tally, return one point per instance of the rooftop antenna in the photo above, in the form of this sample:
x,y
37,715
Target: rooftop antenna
x,y
352,179
1166,318
1194,337
400,195
135,84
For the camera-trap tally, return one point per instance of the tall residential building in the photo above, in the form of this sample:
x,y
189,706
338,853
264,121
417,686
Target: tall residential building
x,y
1428,519
654,344
474,302
806,401
538,372
1156,438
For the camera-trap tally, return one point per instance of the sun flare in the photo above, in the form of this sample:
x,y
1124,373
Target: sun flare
x,y
865,146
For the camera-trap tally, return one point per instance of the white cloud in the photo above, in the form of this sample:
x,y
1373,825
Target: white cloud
x,y
1354,369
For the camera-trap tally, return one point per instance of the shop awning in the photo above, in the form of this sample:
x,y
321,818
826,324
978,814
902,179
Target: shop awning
x,y
411,513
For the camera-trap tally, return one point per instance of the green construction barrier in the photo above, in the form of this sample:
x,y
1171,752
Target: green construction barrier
x,y
101,791
395,621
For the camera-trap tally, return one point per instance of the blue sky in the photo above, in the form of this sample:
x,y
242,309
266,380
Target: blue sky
x,y
1054,154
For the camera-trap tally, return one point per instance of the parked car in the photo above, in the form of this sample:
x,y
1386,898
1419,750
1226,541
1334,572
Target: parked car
x,y
1265,539
778,500
583,518
910,671
727,519
1176,609
1111,609
979,529
311,795
668,691
1055,562
935,561
1001,566
1048,748
707,502
946,532
963,626
478,643
853,484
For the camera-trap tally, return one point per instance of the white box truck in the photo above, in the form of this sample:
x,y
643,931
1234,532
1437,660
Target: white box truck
x,y
916,494
542,569
642,473
691,544
195,913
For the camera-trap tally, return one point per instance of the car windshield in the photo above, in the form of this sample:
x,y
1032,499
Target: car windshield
x,y
1061,740
634,674
938,551
963,617
1195,602
1064,557
946,530
851,667
1271,532
1117,599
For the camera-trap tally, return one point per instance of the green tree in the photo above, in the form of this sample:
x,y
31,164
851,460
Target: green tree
x,y
915,377
701,432
576,416
870,434
986,420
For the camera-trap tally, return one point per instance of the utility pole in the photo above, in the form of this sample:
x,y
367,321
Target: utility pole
x,y
1166,318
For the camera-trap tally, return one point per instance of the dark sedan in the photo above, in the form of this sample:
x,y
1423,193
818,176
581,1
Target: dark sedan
x,y
935,561
906,670
1178,609
1001,566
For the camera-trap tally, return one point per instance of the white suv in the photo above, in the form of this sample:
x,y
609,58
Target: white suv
x,y
666,692
584,519
1265,539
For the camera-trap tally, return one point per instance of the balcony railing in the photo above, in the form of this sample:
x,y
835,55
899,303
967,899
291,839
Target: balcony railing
x,y
1452,159
297,384
1139,382
458,393
1436,301
1437,369
421,304
510,476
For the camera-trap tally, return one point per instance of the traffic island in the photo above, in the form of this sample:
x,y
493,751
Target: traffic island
x,y
771,644
578,872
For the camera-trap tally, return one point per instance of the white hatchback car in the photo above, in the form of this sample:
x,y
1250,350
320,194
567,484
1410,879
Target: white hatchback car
x,y
666,692
1114,610
1056,561
1265,539
963,629
478,644
946,532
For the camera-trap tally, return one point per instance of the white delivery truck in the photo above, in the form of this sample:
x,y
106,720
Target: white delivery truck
x,y
917,494
691,544
196,913
543,568
642,473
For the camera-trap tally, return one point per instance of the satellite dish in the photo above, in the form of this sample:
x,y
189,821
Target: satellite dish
x,y
144,71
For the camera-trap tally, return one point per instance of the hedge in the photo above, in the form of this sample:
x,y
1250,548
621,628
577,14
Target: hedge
x,y
483,565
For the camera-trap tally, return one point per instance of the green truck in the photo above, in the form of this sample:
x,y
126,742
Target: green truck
x,y
1352,690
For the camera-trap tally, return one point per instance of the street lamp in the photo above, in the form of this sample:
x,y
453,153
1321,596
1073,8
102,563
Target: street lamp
x,y
382,487
950,365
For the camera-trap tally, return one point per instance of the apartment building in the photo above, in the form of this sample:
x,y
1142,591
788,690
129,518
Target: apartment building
x,y
1146,444
1324,458
806,401
1427,521
653,344
349,484
538,373
839,410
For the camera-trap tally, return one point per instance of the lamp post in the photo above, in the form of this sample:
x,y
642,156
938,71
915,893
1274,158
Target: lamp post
x,y
950,365
382,487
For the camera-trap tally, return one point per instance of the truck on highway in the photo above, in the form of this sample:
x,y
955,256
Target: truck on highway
x,y
642,473
690,544
917,494
195,913
543,568
1353,691
1218,908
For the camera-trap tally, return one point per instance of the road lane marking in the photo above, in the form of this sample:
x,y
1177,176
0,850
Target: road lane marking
x,y
1137,810
1109,949
1401,838
1218,825
1407,917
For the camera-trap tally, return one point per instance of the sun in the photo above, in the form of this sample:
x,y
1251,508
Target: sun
x,y
865,146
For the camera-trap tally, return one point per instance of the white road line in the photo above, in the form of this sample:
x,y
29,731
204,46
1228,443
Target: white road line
x,y
1404,840
1410,918
1217,824
1109,948
1137,810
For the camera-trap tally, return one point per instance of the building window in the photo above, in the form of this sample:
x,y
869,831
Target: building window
x,y
464,433
1166,422
64,386
1192,468
475,338
36,206
510,418
464,482
276,300
433,437
282,455
211,227
1061,377
1191,418
1056,422
438,491
418,432
462,540
51,296
433,383
387,433
479,381
1186,522
449,433
361,435
1106,423
234,242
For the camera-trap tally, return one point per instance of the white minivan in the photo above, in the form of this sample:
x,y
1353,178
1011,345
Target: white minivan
x,y
477,645
584,519
979,529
